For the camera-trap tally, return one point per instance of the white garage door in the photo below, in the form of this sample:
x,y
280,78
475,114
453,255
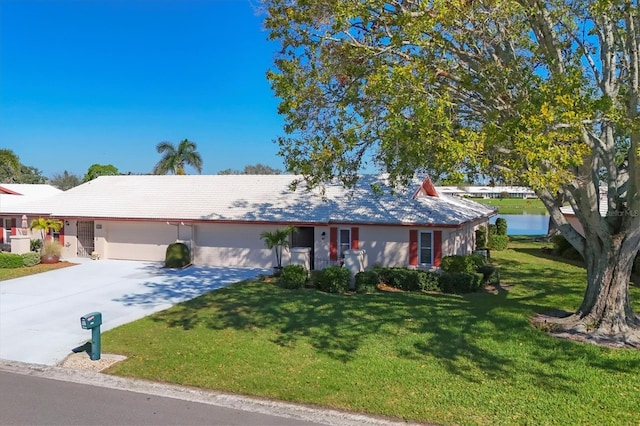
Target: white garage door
x,y
139,240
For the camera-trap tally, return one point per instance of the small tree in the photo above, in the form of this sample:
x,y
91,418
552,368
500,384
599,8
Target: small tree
x,y
45,226
277,240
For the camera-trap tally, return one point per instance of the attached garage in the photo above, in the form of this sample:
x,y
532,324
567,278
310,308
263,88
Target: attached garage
x,y
138,240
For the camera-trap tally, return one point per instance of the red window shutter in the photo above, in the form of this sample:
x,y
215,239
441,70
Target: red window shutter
x,y
437,248
413,247
333,243
14,226
355,238
61,235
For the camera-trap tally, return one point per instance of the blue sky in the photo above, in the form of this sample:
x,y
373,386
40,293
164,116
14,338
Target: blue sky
x,y
103,81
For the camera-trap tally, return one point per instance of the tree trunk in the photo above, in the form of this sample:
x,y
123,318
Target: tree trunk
x,y
605,315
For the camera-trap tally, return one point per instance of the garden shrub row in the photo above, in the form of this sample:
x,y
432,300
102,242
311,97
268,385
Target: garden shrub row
x,y
460,274
333,279
13,260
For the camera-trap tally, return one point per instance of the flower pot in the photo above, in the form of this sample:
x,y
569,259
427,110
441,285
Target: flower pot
x,y
49,259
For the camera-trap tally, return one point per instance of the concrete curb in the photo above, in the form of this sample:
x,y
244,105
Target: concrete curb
x,y
274,408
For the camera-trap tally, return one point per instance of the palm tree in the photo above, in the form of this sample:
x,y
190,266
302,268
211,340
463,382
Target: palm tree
x,y
277,240
175,159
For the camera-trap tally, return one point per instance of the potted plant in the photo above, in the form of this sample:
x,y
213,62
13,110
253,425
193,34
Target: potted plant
x,y
50,252
277,240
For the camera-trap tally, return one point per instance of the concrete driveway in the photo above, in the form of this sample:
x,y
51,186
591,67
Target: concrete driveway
x,y
40,314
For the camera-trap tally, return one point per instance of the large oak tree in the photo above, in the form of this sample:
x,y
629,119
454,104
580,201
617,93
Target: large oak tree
x,y
531,92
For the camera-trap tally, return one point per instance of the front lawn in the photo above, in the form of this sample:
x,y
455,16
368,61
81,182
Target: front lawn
x,y
448,359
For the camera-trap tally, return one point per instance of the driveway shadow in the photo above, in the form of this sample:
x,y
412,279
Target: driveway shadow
x,y
178,285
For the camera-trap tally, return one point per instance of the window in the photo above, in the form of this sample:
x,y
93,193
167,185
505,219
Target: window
x,y
426,248
344,242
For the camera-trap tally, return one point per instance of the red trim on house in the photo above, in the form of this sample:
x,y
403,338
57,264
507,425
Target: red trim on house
x,y
355,238
333,243
14,226
413,247
426,188
8,191
437,247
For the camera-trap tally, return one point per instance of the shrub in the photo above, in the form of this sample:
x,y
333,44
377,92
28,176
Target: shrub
x,y
177,256
35,245
498,242
408,279
428,281
293,276
334,279
458,263
490,274
460,282
367,281
30,259
10,260
501,226
560,244
571,254
51,248
493,230
481,237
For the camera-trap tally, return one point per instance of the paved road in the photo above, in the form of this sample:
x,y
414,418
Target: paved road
x,y
28,400
35,394
40,314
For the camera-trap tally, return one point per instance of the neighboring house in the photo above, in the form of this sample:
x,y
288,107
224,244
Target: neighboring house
x,y
12,194
221,218
499,192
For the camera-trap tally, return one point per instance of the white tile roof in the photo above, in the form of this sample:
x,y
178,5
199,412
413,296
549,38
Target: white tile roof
x,y
12,194
249,198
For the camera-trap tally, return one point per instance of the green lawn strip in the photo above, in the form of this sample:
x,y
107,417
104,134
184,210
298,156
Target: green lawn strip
x,y
8,274
448,359
514,205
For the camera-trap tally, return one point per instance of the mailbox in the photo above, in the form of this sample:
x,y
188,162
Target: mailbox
x,y
92,320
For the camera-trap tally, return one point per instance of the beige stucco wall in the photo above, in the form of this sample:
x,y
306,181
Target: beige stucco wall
x,y
385,245
234,245
70,246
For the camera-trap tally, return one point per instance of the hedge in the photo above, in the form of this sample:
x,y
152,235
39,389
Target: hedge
x,y
10,260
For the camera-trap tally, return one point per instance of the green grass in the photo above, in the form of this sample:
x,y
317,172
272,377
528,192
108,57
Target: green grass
x,y
448,359
514,205
8,274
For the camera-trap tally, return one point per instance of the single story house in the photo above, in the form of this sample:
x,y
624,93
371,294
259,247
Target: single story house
x,y
500,192
221,218
12,194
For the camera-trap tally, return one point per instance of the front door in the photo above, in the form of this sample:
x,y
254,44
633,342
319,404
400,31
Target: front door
x,y
85,238
302,236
